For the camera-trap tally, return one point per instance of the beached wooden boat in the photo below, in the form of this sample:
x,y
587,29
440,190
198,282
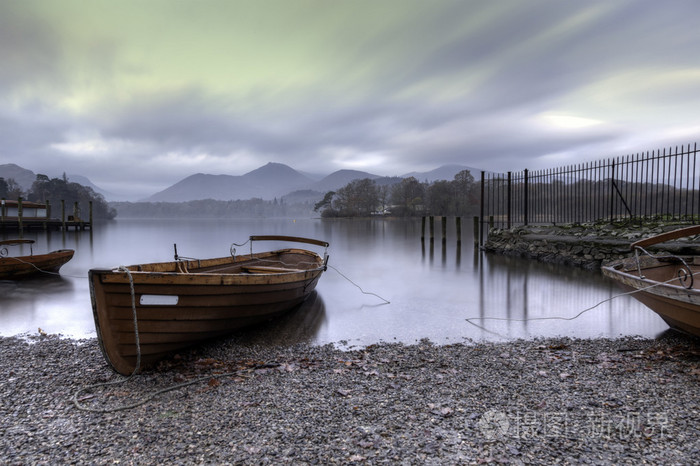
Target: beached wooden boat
x,y
187,301
663,282
17,267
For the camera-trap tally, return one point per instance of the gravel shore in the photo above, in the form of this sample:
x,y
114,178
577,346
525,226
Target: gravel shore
x,y
623,401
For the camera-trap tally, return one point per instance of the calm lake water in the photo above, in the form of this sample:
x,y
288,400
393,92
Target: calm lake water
x,y
432,291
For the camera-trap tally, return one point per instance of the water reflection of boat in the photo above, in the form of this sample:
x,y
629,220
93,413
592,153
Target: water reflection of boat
x,y
184,302
663,282
16,267
300,325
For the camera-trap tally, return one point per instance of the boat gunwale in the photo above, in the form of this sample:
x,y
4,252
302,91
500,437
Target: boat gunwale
x,y
118,275
614,270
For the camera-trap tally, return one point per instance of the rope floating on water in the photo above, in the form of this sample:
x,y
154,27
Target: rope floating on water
x,y
386,301
508,319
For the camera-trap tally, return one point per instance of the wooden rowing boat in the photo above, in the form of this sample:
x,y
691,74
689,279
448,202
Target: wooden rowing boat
x,y
17,267
663,282
148,311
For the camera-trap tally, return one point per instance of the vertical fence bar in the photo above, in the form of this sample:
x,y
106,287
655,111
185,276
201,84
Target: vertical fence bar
x,y
526,193
695,175
612,194
481,210
508,202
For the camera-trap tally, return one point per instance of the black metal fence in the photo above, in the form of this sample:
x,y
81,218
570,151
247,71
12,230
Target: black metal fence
x,y
662,183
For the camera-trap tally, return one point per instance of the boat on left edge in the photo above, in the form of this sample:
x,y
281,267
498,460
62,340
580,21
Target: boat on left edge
x,y
145,312
17,267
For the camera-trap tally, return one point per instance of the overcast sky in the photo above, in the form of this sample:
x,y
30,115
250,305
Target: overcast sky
x,y
137,95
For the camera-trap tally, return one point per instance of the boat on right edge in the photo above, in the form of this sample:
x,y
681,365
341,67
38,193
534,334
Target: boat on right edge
x,y
666,283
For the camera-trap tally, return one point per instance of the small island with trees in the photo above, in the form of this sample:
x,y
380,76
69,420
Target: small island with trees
x,y
406,198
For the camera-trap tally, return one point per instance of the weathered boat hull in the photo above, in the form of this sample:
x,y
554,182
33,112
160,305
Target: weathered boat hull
x,y
183,303
12,268
660,289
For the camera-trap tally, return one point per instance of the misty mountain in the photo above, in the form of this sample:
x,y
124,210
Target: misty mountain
x,y
22,176
337,180
25,178
82,180
445,172
273,180
276,180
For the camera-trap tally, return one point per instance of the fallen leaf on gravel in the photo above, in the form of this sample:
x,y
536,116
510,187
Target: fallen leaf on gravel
x,y
285,367
214,382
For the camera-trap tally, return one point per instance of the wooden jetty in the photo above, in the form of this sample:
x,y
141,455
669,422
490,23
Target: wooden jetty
x,y
22,215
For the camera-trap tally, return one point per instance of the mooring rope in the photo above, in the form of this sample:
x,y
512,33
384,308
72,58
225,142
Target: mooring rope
x,y
138,351
386,301
146,399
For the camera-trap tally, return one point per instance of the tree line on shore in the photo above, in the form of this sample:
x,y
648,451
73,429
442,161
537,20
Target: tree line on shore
x,y
55,190
409,197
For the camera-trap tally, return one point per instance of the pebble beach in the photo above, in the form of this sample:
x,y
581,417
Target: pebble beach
x,y
566,401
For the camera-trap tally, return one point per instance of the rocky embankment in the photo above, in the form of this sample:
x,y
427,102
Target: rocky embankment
x,y
582,245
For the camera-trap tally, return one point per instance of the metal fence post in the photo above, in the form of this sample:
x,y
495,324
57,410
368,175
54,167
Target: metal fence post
x,y
508,201
525,197
481,214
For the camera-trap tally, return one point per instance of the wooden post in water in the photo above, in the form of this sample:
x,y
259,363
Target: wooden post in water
x,y
90,205
432,229
19,214
477,231
75,215
63,214
2,209
422,228
444,229
458,225
48,215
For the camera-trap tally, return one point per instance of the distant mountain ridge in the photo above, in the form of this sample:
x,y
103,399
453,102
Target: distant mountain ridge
x,y
273,180
267,182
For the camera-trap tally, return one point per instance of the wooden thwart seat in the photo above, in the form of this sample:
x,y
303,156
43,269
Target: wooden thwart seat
x,y
266,269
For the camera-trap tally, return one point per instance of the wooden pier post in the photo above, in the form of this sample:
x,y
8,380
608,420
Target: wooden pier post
x,y
422,228
63,214
444,229
2,209
458,225
477,232
75,215
432,229
48,215
19,214
90,207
